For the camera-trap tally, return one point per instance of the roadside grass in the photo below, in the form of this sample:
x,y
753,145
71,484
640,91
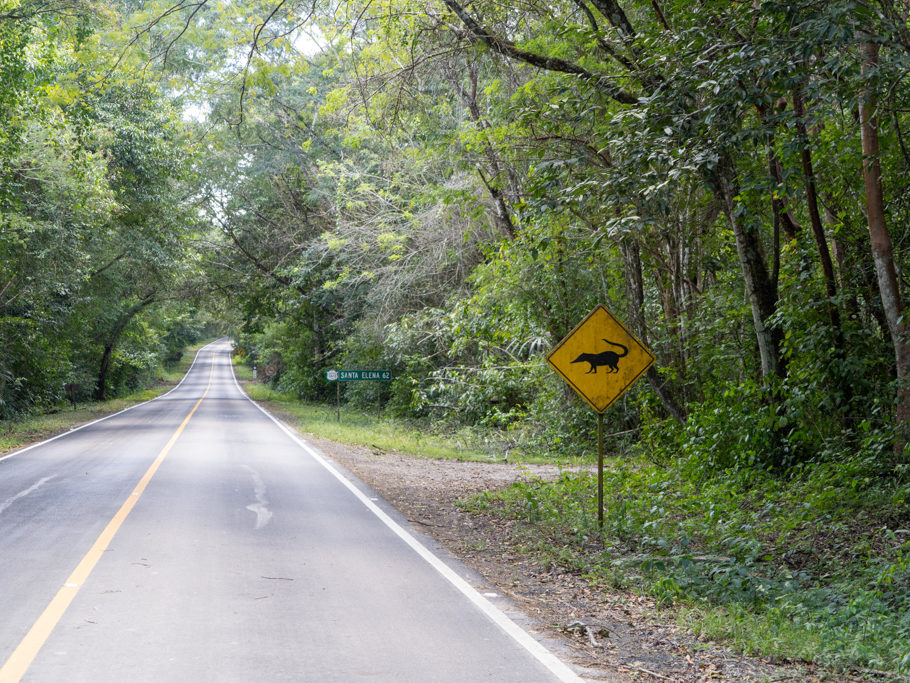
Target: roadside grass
x,y
15,434
361,428
814,567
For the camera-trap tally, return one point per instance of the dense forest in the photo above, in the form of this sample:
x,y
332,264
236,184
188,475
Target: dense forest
x,y
444,189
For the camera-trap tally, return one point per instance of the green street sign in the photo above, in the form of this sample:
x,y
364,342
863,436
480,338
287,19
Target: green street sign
x,y
356,375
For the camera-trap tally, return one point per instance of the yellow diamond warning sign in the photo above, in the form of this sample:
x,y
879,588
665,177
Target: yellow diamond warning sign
x,y
600,359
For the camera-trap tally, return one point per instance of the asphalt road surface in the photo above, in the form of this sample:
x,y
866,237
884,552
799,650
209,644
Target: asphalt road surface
x,y
193,538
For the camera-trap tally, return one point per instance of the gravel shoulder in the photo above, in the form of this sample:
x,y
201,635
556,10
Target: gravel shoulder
x,y
612,636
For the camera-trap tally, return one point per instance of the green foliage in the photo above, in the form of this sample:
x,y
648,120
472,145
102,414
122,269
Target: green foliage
x,y
421,205
289,352
804,567
91,218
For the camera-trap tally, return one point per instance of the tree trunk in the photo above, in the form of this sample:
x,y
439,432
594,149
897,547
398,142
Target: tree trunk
x,y
107,354
880,239
101,384
851,303
760,289
782,216
469,98
779,211
853,270
815,219
635,282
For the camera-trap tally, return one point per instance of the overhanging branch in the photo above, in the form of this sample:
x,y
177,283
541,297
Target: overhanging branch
x,y
508,49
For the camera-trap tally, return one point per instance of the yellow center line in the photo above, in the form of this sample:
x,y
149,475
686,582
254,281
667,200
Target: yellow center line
x,y
25,653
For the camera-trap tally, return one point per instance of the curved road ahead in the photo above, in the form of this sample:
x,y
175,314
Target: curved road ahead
x,y
193,538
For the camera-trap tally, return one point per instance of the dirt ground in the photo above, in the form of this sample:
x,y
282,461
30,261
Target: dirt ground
x,y
612,636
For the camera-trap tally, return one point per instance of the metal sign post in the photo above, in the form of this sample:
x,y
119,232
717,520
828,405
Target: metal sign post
x,y
600,470
600,359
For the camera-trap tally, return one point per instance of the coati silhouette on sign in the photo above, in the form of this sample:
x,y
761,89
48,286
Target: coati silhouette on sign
x,y
609,359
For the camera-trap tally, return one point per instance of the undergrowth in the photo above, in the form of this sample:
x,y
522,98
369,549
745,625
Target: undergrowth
x,y
362,428
813,566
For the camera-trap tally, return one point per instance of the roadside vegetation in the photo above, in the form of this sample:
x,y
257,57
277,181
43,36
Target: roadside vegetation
x,y
362,428
809,567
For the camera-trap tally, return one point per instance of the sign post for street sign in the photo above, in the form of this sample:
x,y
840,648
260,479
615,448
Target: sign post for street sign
x,y
340,376
600,359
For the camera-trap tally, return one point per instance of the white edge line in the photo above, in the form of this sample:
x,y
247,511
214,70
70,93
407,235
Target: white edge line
x,y
108,417
522,637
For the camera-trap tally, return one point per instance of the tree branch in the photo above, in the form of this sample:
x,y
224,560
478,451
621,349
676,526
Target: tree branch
x,y
107,265
601,43
616,16
507,48
660,15
259,265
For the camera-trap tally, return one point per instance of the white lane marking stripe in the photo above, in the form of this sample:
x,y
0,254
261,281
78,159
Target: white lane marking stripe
x,y
108,417
556,666
22,494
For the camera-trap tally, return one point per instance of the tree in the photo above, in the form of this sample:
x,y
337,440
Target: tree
x,y
880,238
91,213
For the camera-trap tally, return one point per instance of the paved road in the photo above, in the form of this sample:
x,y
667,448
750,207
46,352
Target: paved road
x,y
194,539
